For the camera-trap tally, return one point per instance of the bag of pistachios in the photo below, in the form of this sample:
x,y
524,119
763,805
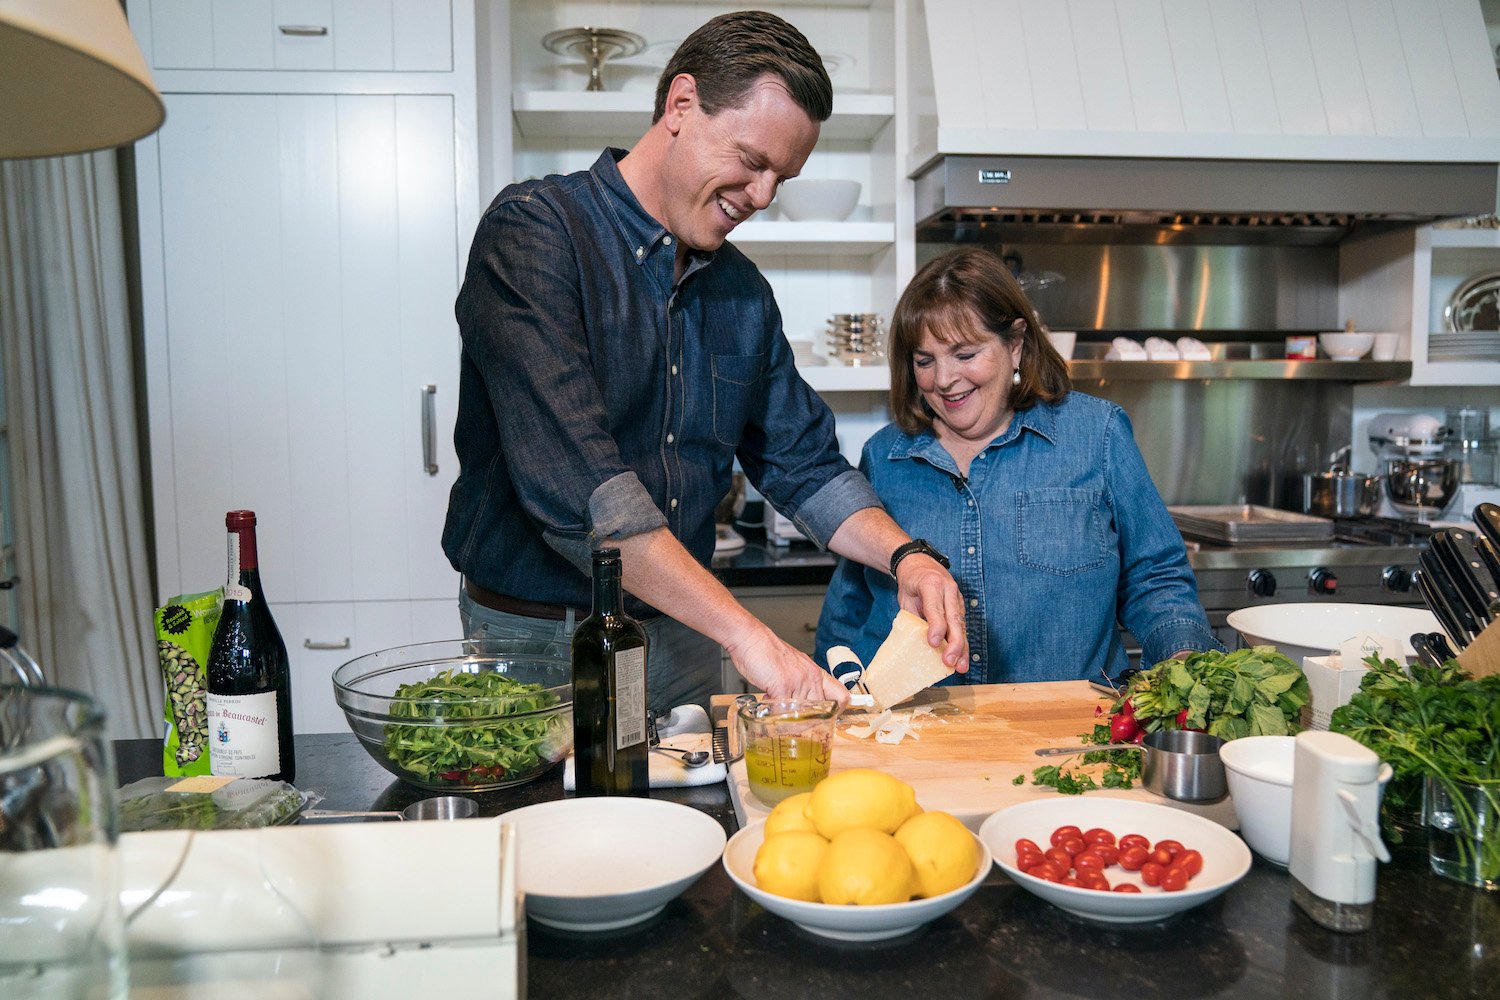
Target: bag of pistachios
x,y
184,634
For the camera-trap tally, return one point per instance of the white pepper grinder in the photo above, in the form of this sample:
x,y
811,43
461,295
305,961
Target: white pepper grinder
x,y
1336,789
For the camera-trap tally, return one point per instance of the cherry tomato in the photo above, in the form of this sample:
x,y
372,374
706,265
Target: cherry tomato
x,y
1108,852
1073,845
1133,840
1093,880
1088,861
1070,880
1025,845
1126,887
1060,857
1064,832
1046,871
1132,858
1098,835
1190,862
1161,856
1182,717
1029,860
1121,727
1151,873
1174,846
1174,880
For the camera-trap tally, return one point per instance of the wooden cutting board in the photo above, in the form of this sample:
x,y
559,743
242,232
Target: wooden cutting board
x,y
966,754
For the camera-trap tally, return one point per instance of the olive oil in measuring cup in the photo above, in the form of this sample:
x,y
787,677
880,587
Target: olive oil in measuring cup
x,y
788,746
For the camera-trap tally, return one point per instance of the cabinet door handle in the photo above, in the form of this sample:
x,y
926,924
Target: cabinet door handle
x,y
319,644
303,30
429,429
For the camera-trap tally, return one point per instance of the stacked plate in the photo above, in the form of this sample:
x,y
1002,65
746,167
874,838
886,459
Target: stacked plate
x,y
1472,345
856,338
1249,524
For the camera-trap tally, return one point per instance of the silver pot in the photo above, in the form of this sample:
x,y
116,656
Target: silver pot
x,y
1340,493
1421,485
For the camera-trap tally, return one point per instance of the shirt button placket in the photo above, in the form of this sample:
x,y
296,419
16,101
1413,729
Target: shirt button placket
x,y
971,578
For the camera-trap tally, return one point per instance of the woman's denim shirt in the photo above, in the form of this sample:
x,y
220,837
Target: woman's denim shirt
x,y
1056,535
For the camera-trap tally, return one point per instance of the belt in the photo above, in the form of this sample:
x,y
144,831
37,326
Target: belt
x,y
515,606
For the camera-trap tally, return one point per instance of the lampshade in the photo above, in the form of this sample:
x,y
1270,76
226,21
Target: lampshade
x,y
72,79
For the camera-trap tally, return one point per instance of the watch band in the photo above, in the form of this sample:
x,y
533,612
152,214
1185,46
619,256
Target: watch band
x,y
916,545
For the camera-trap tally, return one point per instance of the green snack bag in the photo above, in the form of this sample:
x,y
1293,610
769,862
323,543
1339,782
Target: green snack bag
x,y
184,634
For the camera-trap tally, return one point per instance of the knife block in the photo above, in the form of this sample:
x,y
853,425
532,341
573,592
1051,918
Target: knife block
x,y
1482,656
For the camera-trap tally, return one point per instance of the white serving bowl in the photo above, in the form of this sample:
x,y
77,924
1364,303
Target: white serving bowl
x,y
1300,630
843,923
1345,346
817,199
1226,859
1259,772
596,864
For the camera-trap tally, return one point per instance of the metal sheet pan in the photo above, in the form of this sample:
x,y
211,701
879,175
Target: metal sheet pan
x,y
1241,524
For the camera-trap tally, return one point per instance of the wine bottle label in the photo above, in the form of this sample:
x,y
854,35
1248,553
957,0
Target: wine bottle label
x,y
630,697
232,590
242,734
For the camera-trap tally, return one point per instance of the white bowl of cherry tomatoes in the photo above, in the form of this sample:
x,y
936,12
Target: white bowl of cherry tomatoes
x,y
1115,860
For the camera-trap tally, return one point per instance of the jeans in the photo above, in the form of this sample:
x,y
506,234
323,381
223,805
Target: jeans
x,y
682,666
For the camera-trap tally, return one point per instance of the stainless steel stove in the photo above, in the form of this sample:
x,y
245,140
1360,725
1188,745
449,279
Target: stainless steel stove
x,y
1368,561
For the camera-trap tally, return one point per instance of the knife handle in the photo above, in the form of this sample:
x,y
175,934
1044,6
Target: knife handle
x,y
1478,573
1447,590
1487,520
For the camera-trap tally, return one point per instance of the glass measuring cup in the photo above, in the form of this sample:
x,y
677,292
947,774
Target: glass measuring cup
x,y
788,745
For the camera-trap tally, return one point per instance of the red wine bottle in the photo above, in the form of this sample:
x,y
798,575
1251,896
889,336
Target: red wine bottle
x,y
609,691
249,677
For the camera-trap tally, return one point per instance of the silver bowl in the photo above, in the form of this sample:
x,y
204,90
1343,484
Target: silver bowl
x,y
1424,486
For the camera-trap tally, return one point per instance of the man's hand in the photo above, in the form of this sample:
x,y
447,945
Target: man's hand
x,y
925,589
781,671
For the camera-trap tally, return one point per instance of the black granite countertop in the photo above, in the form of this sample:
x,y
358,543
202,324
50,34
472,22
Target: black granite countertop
x,y
1432,938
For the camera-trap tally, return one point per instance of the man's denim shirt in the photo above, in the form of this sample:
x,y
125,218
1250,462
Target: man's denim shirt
x,y
1056,534
598,400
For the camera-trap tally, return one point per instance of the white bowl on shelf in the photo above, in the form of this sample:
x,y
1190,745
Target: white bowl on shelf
x,y
1301,630
1345,346
817,199
843,923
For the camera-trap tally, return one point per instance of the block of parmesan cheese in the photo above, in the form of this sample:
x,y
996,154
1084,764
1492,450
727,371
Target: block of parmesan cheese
x,y
904,664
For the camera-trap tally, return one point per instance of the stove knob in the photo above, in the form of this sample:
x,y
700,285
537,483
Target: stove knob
x,y
1396,580
1262,583
1322,581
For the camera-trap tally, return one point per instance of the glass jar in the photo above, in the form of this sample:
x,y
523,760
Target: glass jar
x,y
1463,831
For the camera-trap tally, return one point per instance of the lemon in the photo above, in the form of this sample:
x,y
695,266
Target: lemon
x,y
942,851
865,867
788,864
861,797
790,814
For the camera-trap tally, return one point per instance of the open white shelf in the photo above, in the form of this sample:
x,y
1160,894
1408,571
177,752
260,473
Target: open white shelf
x,y
580,114
844,378
788,237
1471,239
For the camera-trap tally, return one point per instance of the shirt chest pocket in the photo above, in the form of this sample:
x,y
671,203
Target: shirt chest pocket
x,y
735,378
1061,530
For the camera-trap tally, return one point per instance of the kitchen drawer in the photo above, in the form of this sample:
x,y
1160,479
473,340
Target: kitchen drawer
x,y
346,35
321,637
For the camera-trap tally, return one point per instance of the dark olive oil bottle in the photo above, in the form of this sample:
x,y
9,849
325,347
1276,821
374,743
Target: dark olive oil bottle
x,y
249,675
610,748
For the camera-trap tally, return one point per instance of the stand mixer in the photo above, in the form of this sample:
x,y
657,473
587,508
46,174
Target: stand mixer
x,y
1420,482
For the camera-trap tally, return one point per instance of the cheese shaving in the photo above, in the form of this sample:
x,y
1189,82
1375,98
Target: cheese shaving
x,y
890,727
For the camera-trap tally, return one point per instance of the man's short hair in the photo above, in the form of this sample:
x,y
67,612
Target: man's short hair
x,y
729,53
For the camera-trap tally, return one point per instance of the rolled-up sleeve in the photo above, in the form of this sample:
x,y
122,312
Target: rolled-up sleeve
x,y
521,317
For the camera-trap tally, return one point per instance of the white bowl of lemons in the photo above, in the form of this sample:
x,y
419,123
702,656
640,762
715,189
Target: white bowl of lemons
x,y
886,869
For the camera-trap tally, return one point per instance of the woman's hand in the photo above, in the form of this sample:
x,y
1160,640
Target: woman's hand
x,y
782,671
927,590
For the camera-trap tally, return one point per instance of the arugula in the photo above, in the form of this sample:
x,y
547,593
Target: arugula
x,y
439,745
1250,692
1435,722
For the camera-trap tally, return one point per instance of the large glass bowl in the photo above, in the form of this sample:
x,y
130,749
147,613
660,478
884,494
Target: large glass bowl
x,y
462,714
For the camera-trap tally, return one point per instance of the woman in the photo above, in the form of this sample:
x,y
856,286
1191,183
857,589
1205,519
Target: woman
x,y
1038,495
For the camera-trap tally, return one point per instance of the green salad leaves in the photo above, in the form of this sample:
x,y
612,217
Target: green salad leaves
x,y
1250,692
462,732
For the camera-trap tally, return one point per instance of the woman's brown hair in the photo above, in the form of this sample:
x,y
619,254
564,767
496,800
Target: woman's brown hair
x,y
947,298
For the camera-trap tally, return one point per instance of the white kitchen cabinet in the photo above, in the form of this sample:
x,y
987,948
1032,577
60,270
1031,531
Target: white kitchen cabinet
x,y
1401,281
302,238
543,121
791,612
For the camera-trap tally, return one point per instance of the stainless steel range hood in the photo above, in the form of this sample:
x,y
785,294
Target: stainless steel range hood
x,y
1292,122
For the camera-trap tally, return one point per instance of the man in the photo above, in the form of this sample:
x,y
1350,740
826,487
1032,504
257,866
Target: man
x,y
618,356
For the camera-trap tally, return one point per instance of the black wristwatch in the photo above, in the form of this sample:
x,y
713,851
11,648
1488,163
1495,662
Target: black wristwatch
x,y
916,545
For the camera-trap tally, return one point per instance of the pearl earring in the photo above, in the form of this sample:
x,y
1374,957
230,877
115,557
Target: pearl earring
x,y
1015,378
